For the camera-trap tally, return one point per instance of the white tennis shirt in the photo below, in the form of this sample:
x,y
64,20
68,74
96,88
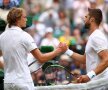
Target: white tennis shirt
x,y
15,45
96,43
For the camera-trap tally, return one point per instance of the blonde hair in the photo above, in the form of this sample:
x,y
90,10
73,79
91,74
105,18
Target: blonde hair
x,y
14,15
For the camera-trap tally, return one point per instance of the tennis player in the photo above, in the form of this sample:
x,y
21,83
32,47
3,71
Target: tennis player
x,y
96,52
15,45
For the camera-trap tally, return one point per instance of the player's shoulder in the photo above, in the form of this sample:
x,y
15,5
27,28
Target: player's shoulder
x,y
25,34
2,34
97,34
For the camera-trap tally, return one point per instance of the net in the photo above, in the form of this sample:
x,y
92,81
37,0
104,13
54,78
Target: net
x,y
101,84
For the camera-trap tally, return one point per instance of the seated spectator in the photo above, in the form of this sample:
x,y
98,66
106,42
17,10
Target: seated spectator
x,y
7,4
65,61
49,40
66,37
33,32
39,79
39,27
49,17
63,19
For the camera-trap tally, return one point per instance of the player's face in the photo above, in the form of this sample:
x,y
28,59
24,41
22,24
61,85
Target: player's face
x,y
87,21
22,21
6,2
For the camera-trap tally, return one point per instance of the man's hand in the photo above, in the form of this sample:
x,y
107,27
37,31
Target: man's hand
x,y
83,79
63,47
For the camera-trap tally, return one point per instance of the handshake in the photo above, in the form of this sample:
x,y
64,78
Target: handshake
x,y
63,47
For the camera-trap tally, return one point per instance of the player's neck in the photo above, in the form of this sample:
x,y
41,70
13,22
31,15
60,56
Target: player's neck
x,y
93,27
18,25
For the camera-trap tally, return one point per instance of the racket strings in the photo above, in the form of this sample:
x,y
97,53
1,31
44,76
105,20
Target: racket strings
x,y
57,75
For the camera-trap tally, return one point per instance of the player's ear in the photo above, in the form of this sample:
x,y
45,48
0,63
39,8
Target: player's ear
x,y
92,19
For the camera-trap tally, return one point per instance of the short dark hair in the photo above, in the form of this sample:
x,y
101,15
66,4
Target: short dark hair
x,y
97,14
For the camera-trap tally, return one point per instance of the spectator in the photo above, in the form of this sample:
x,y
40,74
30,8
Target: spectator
x,y
7,4
65,61
39,27
49,40
80,8
39,79
33,32
93,4
63,20
49,17
66,37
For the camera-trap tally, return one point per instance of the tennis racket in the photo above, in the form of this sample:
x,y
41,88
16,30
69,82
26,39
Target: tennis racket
x,y
58,75
33,64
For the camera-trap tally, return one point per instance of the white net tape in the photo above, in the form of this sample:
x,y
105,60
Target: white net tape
x,y
101,84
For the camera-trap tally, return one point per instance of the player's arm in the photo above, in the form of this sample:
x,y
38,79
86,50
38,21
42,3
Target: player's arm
x,y
1,61
1,64
48,56
79,57
0,53
76,56
99,69
103,63
30,45
102,51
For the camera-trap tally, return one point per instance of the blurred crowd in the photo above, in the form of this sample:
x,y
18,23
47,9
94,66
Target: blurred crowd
x,y
52,21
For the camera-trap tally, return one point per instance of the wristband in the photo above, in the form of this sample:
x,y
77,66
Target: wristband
x,y
91,74
69,52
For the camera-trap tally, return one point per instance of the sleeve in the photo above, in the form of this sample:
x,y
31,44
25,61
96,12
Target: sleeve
x,y
28,42
99,43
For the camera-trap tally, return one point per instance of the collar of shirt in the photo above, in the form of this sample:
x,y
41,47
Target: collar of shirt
x,y
15,28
